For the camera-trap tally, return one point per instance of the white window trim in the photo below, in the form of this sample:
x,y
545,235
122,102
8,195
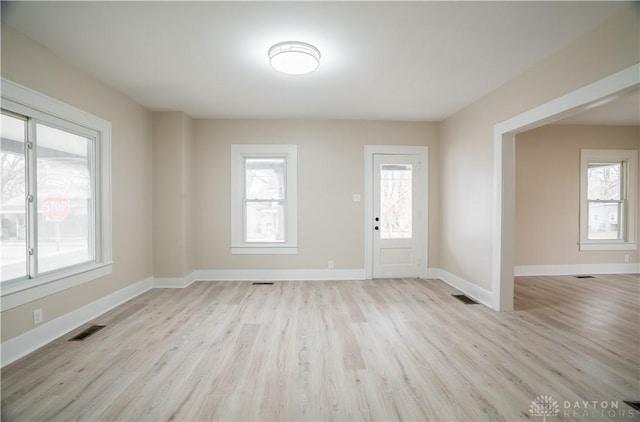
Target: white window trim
x,y
238,244
629,241
22,100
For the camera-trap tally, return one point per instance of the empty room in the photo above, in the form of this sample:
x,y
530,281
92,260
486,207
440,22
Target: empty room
x,y
320,211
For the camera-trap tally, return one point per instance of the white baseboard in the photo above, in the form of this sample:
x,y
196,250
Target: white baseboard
x,y
476,292
575,269
272,275
17,347
174,283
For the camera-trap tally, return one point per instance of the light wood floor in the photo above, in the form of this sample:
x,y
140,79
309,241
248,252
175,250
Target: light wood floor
x,y
370,350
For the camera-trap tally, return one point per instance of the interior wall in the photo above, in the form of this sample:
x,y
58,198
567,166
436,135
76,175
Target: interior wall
x,y
548,192
172,161
188,228
467,180
31,65
330,171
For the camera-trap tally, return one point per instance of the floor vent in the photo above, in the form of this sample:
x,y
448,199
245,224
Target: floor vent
x,y
262,283
465,299
634,404
86,333
583,276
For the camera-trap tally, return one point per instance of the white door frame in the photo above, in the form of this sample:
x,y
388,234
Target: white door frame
x,y
504,136
369,151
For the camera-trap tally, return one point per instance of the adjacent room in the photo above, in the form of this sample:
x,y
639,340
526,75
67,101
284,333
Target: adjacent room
x,y
261,211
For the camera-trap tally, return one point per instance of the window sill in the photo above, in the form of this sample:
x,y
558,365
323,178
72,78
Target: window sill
x,y
19,292
264,250
620,246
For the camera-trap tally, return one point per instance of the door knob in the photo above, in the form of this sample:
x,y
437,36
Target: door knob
x,y
376,227
377,218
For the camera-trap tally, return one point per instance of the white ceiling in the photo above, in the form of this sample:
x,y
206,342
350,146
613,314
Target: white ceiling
x,y
380,60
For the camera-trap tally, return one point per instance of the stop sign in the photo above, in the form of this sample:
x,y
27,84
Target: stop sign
x,y
55,208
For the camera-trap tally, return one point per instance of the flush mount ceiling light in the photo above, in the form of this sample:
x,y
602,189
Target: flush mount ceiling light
x,y
294,58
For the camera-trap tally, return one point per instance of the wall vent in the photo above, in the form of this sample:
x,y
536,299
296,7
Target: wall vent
x,y
583,276
86,333
262,283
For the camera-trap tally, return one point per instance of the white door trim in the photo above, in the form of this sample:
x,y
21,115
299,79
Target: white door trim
x,y
504,135
369,151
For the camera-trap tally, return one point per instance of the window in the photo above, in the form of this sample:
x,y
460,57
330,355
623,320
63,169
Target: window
x,y
55,199
607,200
264,199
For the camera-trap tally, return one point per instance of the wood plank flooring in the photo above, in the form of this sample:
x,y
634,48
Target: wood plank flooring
x,y
348,351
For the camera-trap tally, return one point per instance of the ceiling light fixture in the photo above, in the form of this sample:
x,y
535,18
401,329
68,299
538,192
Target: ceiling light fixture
x,y
294,57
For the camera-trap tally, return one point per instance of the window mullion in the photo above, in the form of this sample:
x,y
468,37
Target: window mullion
x,y
622,218
32,199
95,233
245,200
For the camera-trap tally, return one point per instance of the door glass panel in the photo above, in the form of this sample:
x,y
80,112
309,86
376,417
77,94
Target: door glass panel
x,y
396,201
65,199
13,204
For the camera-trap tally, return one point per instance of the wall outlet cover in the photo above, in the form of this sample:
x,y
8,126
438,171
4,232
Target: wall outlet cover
x,y
37,317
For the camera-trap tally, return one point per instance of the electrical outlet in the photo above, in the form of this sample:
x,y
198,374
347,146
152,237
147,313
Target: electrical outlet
x,y
626,258
37,317
330,266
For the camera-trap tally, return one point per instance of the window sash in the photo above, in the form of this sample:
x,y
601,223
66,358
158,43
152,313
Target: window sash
x,y
281,196
282,226
621,232
619,221
620,191
22,154
33,224
279,199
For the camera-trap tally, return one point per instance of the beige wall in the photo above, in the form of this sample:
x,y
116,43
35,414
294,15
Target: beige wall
x,y
188,159
467,138
173,147
31,65
548,192
330,171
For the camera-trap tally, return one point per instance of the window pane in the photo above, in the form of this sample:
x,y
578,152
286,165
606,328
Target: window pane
x,y
395,201
13,202
604,181
65,199
604,220
265,178
265,221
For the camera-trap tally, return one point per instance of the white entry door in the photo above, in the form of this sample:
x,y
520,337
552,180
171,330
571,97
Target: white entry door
x,y
399,214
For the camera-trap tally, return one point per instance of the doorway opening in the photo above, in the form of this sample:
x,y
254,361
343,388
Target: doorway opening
x,y
505,132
